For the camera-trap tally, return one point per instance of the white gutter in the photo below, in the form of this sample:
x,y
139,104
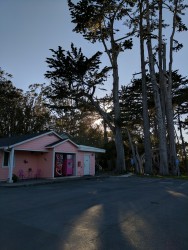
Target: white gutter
x,y
91,149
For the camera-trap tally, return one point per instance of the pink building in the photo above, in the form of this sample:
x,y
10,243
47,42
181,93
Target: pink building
x,y
45,155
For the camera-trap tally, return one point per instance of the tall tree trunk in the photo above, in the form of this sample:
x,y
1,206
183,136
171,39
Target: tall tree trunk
x,y
162,79
183,144
120,164
159,116
146,123
139,160
117,131
169,106
120,161
135,162
171,135
165,94
105,132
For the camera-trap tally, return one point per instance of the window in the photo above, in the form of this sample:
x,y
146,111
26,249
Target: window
x,y
6,158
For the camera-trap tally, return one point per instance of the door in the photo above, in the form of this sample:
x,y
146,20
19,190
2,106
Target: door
x,y
68,164
58,165
86,164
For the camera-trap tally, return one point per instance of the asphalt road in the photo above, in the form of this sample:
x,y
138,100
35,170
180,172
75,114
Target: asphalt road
x,y
110,213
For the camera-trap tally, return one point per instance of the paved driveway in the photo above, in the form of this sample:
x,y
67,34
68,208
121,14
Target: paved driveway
x,y
110,213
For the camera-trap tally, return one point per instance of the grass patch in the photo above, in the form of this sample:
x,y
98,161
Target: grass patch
x,y
181,177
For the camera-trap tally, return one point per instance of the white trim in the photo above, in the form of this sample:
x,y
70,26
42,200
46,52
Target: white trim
x,y
91,149
53,163
32,150
3,157
76,167
65,152
3,154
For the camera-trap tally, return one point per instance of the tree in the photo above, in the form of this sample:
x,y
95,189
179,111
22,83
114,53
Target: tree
x,y
151,17
146,122
21,113
180,104
177,26
131,106
79,124
74,79
36,116
159,114
176,8
10,109
96,20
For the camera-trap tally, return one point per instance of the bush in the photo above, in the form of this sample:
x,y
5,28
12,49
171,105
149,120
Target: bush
x,y
15,178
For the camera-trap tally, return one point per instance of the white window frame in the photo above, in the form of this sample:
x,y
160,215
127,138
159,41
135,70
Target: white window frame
x,y
3,165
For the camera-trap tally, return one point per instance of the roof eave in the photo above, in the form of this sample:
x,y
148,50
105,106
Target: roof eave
x,y
59,143
91,149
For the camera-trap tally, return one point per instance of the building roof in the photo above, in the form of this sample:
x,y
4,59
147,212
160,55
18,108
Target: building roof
x,y
91,149
16,140
51,145
54,144
9,141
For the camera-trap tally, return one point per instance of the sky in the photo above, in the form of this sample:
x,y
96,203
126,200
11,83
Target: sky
x,y
29,28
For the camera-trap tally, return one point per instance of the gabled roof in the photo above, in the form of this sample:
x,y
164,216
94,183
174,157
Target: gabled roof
x,y
51,145
15,140
10,142
54,144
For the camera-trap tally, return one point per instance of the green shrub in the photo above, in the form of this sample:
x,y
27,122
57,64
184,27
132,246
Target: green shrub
x,y
15,178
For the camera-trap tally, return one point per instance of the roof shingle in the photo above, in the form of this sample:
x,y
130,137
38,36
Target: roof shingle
x,y
8,141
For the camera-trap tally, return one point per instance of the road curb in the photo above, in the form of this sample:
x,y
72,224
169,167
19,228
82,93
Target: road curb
x,y
35,182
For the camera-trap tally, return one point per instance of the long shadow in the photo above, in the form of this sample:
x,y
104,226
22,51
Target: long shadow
x,y
99,222
141,218
95,215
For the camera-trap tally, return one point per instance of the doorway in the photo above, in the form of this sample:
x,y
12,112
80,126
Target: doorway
x,y
64,164
86,164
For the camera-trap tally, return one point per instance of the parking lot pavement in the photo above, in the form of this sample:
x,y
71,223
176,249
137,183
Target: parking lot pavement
x,y
99,213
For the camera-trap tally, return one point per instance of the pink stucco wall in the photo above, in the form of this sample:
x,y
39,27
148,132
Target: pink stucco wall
x,y
80,164
46,164
40,164
66,147
38,143
24,161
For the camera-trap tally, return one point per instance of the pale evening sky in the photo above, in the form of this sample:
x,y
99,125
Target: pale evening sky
x,y
29,28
